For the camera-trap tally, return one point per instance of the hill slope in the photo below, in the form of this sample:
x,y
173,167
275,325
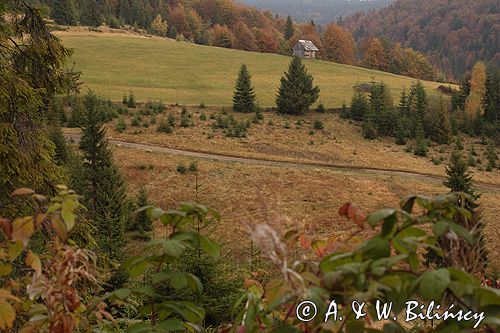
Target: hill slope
x,y
176,72
453,33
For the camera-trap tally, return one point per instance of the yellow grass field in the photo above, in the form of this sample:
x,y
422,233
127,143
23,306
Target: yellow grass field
x,y
153,68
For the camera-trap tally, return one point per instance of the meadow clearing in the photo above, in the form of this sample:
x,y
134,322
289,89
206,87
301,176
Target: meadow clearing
x,y
305,197
154,68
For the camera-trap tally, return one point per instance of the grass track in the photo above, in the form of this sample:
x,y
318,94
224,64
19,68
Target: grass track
x,y
184,73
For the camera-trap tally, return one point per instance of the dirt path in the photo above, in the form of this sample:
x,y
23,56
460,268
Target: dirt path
x,y
484,187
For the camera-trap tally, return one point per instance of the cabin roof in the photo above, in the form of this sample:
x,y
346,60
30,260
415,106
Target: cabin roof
x,y
307,44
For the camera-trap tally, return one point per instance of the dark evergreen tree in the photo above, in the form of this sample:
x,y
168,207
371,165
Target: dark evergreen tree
x,y
381,104
418,99
458,177
289,30
344,111
244,94
492,97
441,132
369,127
404,106
124,11
359,106
64,12
400,131
420,144
296,92
90,14
172,32
142,222
104,191
458,98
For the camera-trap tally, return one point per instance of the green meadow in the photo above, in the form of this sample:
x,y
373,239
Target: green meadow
x,y
114,64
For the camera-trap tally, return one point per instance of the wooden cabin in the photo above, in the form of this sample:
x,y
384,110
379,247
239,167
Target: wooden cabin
x,y
305,49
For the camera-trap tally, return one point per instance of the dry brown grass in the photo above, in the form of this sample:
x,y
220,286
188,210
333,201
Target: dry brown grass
x,y
340,142
304,198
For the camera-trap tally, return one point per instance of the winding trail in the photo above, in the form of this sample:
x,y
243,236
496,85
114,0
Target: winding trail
x,y
256,161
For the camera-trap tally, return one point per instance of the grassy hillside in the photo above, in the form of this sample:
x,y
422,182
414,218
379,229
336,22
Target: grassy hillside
x,y
178,72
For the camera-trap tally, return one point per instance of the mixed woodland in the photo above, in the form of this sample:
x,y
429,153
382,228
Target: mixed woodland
x,y
65,261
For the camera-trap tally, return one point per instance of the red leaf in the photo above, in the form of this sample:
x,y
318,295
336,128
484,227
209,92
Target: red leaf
x,y
6,226
344,208
305,241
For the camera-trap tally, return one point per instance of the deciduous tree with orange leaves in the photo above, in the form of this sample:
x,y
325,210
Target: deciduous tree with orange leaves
x,y
338,45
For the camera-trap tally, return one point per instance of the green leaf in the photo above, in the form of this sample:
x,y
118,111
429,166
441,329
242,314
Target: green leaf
x,y
122,293
194,283
136,266
407,204
173,248
487,296
147,290
432,284
376,248
155,213
440,227
178,280
171,325
389,223
374,218
209,246
334,260
140,328
462,232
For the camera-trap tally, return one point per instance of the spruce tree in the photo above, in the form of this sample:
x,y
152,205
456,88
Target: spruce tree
x,y
104,191
403,106
64,12
359,106
288,28
492,97
420,144
458,177
296,92
90,14
458,98
442,125
418,99
244,94
142,221
400,131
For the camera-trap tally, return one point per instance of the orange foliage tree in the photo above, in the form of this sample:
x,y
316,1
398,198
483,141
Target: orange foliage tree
x,y
338,45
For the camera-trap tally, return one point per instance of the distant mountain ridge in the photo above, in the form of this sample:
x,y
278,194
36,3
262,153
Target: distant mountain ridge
x,y
321,11
454,34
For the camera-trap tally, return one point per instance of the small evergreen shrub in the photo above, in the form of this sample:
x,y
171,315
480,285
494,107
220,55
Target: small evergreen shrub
x,y
318,124
181,168
164,127
193,166
121,126
171,120
320,108
135,122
